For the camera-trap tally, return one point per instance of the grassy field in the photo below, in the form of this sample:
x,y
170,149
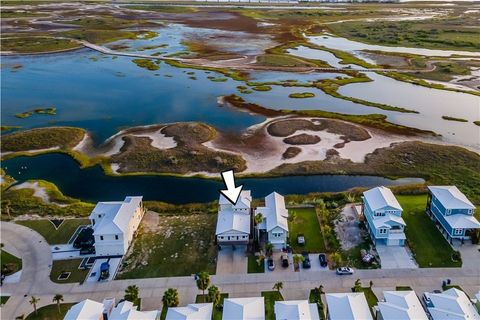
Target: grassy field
x,y
172,246
13,263
253,266
306,223
424,239
270,298
33,44
76,275
50,312
52,235
42,138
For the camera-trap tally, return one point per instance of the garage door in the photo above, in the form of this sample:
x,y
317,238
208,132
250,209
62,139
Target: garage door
x,y
393,242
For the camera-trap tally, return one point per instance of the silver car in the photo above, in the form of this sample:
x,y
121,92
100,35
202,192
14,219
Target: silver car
x,y
344,270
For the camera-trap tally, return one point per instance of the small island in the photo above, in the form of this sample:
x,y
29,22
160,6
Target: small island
x,y
301,95
48,111
454,119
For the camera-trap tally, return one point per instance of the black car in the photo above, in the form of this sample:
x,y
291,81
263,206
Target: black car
x,y
284,259
270,264
85,239
323,260
306,260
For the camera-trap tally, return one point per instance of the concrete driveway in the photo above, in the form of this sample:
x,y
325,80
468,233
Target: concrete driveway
x,y
232,261
395,257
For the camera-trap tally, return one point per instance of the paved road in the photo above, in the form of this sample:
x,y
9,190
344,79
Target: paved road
x,y
37,260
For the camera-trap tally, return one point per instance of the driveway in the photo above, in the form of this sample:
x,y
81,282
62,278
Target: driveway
x,y
395,257
232,261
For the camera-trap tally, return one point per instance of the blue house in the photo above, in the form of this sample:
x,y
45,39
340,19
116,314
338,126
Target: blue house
x,y
450,209
383,215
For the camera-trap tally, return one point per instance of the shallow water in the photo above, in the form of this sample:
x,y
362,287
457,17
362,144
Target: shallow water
x,y
52,167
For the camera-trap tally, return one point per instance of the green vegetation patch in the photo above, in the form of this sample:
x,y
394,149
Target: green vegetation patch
x,y
270,298
26,44
262,88
48,111
305,221
403,288
183,241
454,119
301,95
477,122
215,79
55,236
253,266
282,60
147,64
10,263
428,245
4,299
64,266
42,138
50,312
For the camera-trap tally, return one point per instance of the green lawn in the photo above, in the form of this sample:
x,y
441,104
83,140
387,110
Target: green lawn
x,y
52,235
429,246
306,222
50,312
315,297
76,274
217,312
13,263
253,266
270,298
173,246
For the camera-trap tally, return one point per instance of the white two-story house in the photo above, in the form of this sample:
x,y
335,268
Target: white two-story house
x,y
275,220
234,221
383,217
114,224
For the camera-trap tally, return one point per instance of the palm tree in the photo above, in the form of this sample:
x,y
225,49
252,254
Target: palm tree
x,y
297,258
170,298
33,301
269,249
132,294
351,198
371,283
357,286
214,295
278,286
58,298
258,219
336,258
203,281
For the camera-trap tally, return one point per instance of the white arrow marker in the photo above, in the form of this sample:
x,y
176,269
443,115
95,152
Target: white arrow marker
x,y
232,193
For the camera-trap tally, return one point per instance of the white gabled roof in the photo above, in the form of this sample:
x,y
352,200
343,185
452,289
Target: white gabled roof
x,y
85,310
348,306
228,220
462,221
116,215
401,305
452,304
194,311
381,197
388,220
274,213
296,310
451,197
244,308
243,202
125,310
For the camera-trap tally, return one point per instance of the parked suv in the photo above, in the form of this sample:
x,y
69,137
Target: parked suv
x,y
323,260
306,260
284,259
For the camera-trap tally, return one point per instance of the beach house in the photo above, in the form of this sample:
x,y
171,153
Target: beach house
x,y
274,225
234,221
452,211
383,217
114,224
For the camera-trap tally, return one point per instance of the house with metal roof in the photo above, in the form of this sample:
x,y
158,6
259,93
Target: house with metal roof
x,y
347,306
296,310
383,216
92,310
452,211
244,308
451,304
403,305
234,221
275,220
114,224
193,311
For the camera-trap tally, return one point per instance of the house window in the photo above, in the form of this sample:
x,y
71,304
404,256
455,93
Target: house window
x,y
93,221
228,238
116,237
457,232
101,237
383,231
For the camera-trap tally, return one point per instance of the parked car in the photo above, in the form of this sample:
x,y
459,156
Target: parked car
x,y
344,270
323,260
284,259
306,260
301,239
104,271
85,239
270,264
